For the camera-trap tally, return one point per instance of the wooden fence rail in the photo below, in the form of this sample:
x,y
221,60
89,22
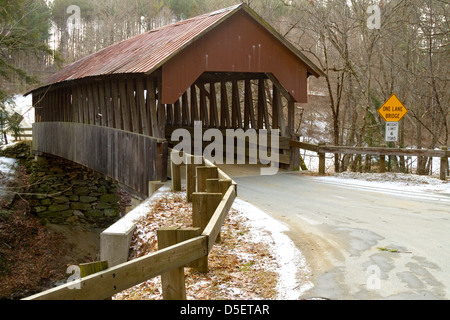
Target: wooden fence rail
x,y
104,284
322,149
25,133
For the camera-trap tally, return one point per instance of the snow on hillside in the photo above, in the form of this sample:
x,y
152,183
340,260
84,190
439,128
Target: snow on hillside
x,y
23,106
398,184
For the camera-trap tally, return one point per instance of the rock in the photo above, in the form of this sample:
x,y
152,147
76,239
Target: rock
x,y
83,197
34,203
61,199
112,212
72,219
77,182
46,202
93,213
58,207
80,206
102,205
78,213
111,198
87,199
81,191
95,194
45,188
38,209
66,213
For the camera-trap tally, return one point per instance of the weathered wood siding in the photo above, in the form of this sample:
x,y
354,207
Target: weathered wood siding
x,y
130,158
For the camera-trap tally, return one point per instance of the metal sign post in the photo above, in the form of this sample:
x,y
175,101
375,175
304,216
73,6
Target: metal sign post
x,y
392,112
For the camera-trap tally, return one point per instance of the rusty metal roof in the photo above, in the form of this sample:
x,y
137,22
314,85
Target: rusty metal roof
x,y
148,51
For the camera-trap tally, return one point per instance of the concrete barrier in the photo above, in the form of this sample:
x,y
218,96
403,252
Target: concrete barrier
x,y
115,241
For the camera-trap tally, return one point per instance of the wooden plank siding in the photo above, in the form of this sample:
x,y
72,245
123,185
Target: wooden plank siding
x,y
132,105
283,148
125,104
130,158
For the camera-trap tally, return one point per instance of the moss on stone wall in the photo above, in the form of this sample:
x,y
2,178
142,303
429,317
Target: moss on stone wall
x,y
19,150
64,192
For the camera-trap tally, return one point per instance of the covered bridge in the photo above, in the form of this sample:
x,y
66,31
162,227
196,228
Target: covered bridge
x,y
114,111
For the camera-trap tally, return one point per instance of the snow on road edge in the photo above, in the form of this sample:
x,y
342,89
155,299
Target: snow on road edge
x,y
292,267
394,181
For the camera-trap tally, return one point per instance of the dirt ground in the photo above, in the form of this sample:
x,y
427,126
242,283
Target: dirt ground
x,y
33,256
84,241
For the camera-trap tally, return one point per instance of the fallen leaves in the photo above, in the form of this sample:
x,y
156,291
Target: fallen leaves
x,y
33,258
239,269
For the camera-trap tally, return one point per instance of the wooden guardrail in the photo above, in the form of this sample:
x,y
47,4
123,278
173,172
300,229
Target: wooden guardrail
x,y
168,261
26,133
322,149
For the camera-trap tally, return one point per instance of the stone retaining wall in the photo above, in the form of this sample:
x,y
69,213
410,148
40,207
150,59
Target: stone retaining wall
x,y
64,192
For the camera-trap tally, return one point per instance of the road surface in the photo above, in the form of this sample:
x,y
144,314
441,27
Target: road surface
x,y
360,243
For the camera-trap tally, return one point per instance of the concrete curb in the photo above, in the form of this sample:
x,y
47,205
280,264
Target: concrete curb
x,y
115,241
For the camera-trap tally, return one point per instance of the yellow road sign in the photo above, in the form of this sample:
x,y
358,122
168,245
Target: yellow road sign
x,y
393,110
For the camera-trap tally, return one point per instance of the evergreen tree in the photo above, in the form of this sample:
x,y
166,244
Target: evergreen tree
x,y
24,32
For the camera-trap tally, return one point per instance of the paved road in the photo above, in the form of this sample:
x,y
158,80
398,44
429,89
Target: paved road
x,y
343,231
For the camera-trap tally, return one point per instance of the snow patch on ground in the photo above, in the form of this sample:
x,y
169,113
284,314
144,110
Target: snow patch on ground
x,y
395,181
292,267
311,160
7,165
8,168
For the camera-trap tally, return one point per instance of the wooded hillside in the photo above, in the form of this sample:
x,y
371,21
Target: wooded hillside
x,y
365,63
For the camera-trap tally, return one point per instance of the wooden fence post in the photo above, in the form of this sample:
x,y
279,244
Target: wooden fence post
x,y
176,175
321,160
172,282
382,163
212,186
444,165
224,184
203,207
191,174
184,234
87,269
204,173
190,177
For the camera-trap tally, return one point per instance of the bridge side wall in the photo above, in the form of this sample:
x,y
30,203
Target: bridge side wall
x,y
131,159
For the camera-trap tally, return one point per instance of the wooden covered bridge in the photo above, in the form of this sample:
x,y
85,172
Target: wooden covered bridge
x,y
114,111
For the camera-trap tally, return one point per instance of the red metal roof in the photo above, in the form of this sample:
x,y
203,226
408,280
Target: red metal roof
x,y
143,53
147,52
